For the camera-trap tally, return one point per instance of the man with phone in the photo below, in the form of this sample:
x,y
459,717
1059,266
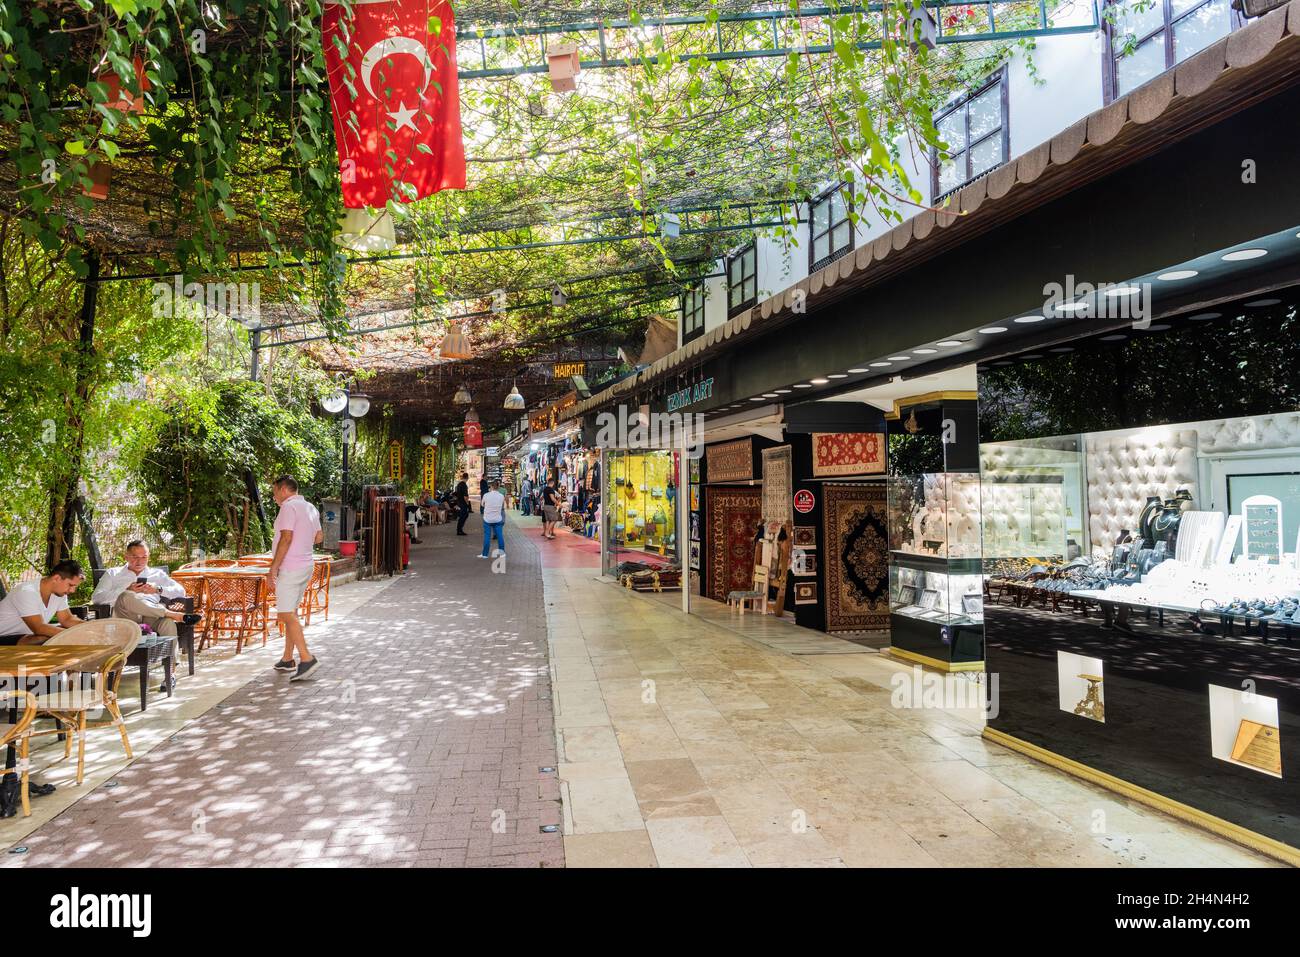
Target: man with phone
x,y
136,591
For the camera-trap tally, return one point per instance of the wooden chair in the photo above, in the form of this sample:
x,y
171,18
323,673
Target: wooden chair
x,y
18,736
70,707
235,609
317,596
209,563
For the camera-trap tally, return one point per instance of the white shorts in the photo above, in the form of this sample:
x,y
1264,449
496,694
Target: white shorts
x,y
290,585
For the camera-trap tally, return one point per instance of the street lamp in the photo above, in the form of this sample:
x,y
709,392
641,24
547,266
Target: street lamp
x,y
351,407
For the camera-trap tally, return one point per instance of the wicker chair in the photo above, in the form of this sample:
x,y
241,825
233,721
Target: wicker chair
x,y
18,736
317,595
70,707
235,609
208,563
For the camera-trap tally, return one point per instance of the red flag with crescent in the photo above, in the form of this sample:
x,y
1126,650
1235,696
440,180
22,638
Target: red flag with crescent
x,y
473,435
392,75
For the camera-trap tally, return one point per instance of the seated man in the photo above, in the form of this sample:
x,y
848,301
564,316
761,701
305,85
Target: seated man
x,y
135,592
26,611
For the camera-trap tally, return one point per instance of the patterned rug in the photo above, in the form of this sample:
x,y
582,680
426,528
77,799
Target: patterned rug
x,y
733,516
857,558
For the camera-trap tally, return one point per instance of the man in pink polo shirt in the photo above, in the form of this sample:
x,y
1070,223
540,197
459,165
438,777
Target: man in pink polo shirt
x,y
297,529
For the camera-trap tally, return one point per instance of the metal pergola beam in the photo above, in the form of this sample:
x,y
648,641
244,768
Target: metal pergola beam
x,y
994,10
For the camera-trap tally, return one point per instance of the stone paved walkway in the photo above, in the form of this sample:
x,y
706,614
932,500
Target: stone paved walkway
x,y
419,744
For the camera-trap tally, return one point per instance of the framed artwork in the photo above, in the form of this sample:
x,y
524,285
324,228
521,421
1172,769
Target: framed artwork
x,y
695,556
807,565
695,526
695,498
805,537
805,593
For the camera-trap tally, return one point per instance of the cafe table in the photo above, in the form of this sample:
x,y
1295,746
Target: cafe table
x,y
21,663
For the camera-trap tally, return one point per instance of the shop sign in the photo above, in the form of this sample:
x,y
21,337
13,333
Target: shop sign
x,y
804,501
565,370
690,395
428,468
730,461
395,460
549,418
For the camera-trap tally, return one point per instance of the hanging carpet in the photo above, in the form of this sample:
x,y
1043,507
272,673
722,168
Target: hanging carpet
x,y
733,516
857,558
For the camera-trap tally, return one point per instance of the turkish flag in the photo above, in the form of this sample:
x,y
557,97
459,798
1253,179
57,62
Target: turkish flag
x,y
473,435
392,73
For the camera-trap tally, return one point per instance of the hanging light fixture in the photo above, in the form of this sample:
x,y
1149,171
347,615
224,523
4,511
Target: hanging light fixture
x,y
471,415
455,344
515,400
462,396
365,233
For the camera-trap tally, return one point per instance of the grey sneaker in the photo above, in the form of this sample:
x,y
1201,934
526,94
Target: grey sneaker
x,y
287,666
305,669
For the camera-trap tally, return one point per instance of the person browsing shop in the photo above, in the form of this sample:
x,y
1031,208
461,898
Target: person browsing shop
x,y
550,509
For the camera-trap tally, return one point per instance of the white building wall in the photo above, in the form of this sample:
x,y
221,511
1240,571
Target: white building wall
x,y
1069,87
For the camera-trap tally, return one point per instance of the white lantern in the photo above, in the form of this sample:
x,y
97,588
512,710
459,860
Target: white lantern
x,y
514,401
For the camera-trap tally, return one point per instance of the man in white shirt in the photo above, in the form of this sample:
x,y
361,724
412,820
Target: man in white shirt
x,y
135,591
25,612
493,507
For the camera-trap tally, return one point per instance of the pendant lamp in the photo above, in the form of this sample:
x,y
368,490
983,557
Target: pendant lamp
x,y
471,415
514,401
462,396
364,233
455,344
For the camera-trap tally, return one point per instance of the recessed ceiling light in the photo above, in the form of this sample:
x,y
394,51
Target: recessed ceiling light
x,y
857,370
1030,319
898,358
837,375
1243,254
951,342
881,364
1004,362
1115,338
1034,355
802,385
925,352
1260,303
769,395
1068,308
1158,327
756,398
819,381
1177,274
992,331
1117,291
1200,316
1062,349
783,391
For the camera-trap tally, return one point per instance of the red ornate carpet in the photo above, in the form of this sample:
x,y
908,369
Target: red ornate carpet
x,y
857,558
733,516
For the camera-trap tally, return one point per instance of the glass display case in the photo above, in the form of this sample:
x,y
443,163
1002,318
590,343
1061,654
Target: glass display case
x,y
935,581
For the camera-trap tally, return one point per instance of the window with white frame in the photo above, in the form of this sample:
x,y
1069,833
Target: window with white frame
x,y
830,230
1147,37
693,311
742,279
975,130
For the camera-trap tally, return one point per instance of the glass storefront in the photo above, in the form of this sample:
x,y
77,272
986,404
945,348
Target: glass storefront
x,y
639,511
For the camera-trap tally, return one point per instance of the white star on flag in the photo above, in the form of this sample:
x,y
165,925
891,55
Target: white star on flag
x,y
403,116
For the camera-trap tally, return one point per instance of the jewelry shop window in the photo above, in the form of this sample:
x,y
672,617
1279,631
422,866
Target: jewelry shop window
x,y
977,136
693,312
742,279
830,229
1147,37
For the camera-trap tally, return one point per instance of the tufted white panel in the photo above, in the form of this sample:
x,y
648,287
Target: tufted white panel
x,y
1264,432
1123,471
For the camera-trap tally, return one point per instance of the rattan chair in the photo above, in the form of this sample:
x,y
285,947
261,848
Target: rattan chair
x,y
18,736
70,707
317,596
235,609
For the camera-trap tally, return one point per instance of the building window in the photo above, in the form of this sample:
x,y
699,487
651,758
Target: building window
x,y
976,132
742,279
693,312
830,231
1147,37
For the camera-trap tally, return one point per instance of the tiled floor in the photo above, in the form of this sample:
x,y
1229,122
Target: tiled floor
x,y
702,741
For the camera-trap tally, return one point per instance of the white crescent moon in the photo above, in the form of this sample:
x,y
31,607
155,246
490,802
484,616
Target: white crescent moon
x,y
389,47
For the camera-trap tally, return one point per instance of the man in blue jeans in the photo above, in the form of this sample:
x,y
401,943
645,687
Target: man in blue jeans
x,y
493,509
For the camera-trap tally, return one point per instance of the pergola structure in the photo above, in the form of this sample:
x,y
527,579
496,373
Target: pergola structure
x,y
693,129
